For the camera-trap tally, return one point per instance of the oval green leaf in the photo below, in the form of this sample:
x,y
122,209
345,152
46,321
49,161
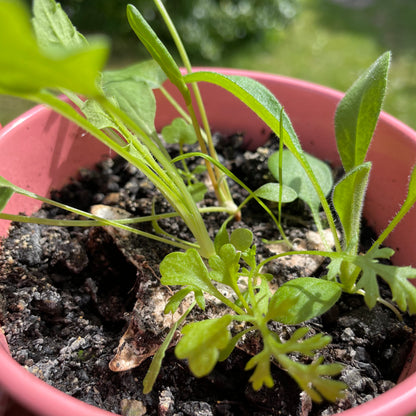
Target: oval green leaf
x,y
271,192
302,299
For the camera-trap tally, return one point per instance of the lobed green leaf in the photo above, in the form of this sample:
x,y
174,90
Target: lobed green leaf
x,y
403,291
202,342
186,269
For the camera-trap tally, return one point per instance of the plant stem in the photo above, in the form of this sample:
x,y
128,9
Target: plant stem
x,y
221,188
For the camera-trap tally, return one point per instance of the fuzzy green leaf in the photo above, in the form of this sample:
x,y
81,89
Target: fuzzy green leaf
x,y
73,69
134,98
302,299
357,113
179,131
148,72
296,178
202,342
348,200
131,90
53,28
270,192
257,97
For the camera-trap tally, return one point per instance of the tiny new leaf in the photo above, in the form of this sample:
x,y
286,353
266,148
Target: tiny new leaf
x,y
262,375
202,342
270,191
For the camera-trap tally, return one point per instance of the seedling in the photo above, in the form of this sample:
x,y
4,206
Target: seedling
x,y
118,108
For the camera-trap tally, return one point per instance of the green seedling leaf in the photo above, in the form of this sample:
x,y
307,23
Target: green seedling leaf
x,y
357,113
307,346
176,299
263,296
179,131
76,69
225,265
7,189
197,190
262,375
156,48
295,177
202,342
221,238
258,98
53,28
186,269
131,90
302,299
403,291
226,352
241,239
148,72
348,200
312,378
134,98
270,192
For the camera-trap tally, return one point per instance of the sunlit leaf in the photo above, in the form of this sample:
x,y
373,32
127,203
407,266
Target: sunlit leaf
x,y
301,299
357,113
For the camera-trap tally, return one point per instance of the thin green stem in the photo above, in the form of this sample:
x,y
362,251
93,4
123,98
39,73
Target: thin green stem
x,y
223,194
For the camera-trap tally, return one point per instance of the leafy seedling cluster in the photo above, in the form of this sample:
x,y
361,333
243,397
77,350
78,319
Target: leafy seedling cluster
x,y
46,56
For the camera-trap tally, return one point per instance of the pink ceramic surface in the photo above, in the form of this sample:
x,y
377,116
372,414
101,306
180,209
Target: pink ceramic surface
x,y
40,151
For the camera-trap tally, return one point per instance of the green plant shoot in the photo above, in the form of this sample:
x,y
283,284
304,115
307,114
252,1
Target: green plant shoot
x,y
118,108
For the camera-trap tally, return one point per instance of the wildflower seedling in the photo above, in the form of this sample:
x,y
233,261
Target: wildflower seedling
x,y
47,55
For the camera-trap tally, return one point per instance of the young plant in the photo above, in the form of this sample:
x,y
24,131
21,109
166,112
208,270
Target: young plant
x,y
118,107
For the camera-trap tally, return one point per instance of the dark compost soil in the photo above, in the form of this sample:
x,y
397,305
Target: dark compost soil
x,y
67,294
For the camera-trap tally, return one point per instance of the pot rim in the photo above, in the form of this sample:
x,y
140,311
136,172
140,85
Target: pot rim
x,y
31,391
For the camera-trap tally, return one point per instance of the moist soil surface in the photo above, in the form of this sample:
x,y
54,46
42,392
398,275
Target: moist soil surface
x,y
67,296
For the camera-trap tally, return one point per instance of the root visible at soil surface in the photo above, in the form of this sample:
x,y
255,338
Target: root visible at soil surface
x,y
68,295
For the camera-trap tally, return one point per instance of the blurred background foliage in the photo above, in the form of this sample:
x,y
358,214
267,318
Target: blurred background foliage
x,y
329,42
209,28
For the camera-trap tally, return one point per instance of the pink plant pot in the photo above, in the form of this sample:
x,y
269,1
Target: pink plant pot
x,y
40,151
